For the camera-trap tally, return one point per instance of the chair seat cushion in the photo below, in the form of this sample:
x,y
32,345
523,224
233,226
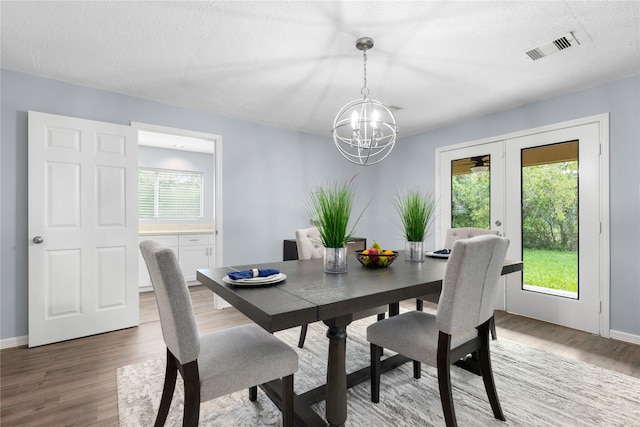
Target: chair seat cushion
x,y
413,334
237,358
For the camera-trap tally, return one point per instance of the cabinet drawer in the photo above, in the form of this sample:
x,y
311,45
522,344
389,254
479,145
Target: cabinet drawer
x,y
194,239
164,240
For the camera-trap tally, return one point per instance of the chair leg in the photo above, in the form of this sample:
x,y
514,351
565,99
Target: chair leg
x,y
171,373
494,336
417,369
376,353
287,401
253,393
303,335
191,377
419,304
487,372
444,379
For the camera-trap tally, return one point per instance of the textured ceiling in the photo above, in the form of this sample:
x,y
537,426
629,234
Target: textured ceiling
x,y
294,64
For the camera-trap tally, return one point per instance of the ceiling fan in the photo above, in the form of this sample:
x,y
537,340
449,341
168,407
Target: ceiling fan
x,y
479,164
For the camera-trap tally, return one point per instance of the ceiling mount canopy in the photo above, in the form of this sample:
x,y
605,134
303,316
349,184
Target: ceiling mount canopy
x,y
364,129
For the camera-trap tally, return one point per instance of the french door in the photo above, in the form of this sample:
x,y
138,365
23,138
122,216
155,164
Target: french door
x,y
471,193
553,219
543,191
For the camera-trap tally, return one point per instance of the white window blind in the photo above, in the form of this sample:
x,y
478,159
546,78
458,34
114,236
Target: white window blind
x,y
169,194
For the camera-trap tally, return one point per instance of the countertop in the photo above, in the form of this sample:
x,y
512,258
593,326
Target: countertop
x,y
162,229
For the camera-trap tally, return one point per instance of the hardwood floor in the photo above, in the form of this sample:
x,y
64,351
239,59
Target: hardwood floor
x,y
73,383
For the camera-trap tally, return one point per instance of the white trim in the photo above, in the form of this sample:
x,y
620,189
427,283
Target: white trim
x,y
625,336
601,118
175,131
217,170
14,342
605,244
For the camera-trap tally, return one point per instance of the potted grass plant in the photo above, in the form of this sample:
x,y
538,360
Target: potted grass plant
x,y
330,209
416,210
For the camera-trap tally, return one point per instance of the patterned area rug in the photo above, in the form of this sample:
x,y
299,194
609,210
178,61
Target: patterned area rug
x,y
535,389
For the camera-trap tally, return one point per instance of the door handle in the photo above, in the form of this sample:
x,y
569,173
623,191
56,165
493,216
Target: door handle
x,y
38,240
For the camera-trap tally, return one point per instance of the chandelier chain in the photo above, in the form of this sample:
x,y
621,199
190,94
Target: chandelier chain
x,y
365,90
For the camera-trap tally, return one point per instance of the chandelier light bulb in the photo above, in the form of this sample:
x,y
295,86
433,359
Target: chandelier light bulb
x,y
354,120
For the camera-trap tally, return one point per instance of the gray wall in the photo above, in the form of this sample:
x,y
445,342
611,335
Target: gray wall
x,y
162,158
268,173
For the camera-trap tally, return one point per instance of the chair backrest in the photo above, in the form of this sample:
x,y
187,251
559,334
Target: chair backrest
x,y
308,242
454,234
470,283
177,319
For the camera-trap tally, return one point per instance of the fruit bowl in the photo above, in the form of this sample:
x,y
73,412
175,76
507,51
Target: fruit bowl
x,y
376,261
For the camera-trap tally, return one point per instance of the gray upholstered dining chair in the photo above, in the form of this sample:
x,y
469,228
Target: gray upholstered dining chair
x,y
308,243
215,363
461,325
309,247
451,236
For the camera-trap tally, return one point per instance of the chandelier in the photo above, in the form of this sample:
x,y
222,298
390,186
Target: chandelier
x,y
364,129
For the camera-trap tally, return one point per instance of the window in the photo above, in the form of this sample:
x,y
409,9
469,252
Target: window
x,y
169,194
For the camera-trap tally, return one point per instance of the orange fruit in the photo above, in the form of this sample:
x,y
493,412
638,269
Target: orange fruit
x,y
387,252
365,252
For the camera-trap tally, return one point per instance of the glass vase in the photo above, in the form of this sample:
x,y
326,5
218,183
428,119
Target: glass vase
x,y
335,260
414,251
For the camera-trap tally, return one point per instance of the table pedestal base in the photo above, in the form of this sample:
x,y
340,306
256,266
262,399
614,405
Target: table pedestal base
x,y
304,415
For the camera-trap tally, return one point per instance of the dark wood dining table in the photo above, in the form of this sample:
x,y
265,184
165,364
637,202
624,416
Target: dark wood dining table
x,y
309,295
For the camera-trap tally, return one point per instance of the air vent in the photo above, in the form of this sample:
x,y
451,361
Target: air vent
x,y
552,47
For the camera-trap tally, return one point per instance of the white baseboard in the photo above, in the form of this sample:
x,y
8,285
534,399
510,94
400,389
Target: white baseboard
x,y
14,342
625,336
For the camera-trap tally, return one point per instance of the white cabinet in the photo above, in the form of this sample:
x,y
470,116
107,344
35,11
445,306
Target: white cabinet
x,y
193,251
196,252
170,241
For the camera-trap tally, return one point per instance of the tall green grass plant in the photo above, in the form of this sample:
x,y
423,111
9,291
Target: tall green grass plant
x,y
330,209
416,210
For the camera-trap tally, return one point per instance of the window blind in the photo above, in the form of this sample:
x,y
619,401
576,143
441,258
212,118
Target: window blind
x,y
165,194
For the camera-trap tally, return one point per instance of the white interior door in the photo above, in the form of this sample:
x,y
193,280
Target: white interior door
x,y
568,165
82,228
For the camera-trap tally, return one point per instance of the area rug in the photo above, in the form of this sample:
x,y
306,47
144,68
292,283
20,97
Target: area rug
x,y
535,389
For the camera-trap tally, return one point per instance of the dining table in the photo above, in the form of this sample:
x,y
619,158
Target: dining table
x,y
308,295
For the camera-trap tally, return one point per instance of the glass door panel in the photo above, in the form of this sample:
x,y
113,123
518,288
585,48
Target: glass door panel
x,y
550,219
471,192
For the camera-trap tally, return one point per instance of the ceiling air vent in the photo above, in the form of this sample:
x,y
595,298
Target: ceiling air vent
x,y
552,47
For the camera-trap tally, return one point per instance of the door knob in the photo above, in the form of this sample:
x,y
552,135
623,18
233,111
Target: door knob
x,y
498,223
37,240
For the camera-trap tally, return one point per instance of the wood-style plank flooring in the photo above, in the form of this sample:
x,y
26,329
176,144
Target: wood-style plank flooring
x,y
73,383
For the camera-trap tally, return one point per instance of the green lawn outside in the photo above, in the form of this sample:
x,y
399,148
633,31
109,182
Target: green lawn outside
x,y
551,269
